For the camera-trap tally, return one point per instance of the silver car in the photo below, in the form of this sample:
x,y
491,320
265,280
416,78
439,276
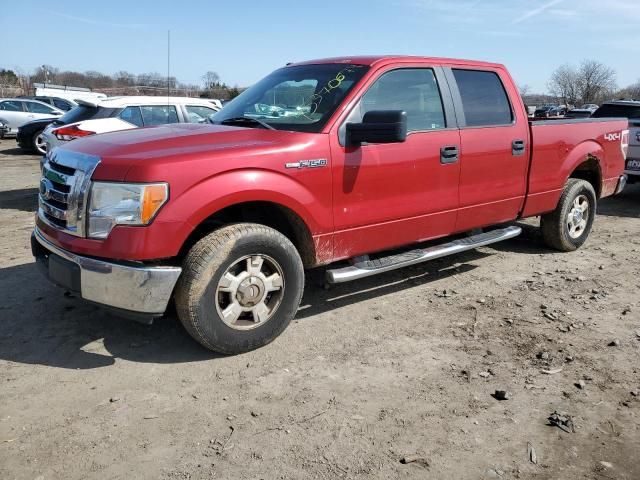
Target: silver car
x,y
15,112
629,109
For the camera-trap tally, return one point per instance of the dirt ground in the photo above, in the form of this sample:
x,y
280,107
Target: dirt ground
x,y
399,365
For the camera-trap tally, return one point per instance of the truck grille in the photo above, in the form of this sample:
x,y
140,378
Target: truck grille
x,y
64,187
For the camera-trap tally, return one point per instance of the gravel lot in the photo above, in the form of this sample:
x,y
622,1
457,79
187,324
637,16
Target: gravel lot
x,y
400,365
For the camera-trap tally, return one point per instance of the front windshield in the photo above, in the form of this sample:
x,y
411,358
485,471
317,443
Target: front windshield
x,y
299,98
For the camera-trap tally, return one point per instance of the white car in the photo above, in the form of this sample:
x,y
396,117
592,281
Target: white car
x,y
15,112
124,113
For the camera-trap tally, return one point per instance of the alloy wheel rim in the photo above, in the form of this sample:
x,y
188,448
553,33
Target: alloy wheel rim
x,y
249,292
41,144
578,216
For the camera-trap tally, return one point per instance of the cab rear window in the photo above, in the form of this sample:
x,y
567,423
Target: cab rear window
x,y
617,110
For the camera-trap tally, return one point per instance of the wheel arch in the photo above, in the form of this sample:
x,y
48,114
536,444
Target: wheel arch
x,y
591,171
267,213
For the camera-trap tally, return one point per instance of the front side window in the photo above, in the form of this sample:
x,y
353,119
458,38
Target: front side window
x,y
11,106
159,114
132,115
35,107
484,100
299,98
413,90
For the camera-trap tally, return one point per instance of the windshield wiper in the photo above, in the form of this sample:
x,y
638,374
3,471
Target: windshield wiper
x,y
245,120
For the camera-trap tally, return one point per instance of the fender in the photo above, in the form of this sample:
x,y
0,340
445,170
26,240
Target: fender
x,y
247,185
547,178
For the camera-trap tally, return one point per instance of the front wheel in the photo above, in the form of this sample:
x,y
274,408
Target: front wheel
x,y
569,225
240,287
38,143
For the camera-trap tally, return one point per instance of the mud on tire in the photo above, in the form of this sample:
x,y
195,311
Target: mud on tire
x,y
240,287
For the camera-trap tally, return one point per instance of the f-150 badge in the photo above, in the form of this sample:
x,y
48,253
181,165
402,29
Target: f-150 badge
x,y
314,163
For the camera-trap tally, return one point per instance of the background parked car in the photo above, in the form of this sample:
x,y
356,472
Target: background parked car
x,y
15,112
60,103
30,138
578,113
544,112
592,107
548,111
123,113
629,109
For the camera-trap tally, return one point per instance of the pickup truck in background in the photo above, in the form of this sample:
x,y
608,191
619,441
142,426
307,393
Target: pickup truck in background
x,y
629,109
352,162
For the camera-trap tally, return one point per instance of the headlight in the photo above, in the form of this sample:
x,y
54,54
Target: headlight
x,y
114,204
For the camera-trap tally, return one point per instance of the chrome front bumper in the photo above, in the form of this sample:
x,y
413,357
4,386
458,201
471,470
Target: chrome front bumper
x,y
131,288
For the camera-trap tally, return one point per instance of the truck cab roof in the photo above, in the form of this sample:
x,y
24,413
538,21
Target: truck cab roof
x,y
372,60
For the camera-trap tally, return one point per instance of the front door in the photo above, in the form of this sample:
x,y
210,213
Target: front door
x,y
388,195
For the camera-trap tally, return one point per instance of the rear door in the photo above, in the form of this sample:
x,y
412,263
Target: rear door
x,y
388,195
494,146
159,114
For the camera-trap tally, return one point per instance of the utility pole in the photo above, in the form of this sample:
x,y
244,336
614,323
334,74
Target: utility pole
x,y
168,67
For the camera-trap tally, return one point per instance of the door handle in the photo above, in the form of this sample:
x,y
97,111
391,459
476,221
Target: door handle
x,y
517,147
449,154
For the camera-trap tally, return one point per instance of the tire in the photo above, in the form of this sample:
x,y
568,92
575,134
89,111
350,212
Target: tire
x,y
237,267
564,229
37,143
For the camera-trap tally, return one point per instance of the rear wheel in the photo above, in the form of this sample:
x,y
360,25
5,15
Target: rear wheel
x,y
240,287
569,225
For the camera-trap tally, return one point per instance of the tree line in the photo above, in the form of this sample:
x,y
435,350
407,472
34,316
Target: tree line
x,y
589,82
119,83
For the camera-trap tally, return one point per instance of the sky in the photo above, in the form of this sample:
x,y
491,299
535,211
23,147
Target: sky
x,y
245,40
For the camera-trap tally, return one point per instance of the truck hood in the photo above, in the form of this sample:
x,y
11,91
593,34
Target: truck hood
x,y
152,148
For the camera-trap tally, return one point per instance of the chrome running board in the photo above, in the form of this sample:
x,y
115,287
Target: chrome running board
x,y
364,267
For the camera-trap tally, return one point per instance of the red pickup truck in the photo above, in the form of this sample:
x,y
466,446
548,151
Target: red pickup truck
x,y
355,162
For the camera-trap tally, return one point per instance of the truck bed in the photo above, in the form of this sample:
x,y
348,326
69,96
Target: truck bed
x,y
559,147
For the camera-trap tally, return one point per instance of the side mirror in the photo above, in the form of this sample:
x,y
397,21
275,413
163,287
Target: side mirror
x,y
378,126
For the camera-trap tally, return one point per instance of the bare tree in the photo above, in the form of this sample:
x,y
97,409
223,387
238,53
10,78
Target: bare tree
x,y
632,91
592,82
124,78
525,89
45,74
211,80
596,81
565,84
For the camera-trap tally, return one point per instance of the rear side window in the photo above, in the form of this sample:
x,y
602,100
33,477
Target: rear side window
x,y
132,115
85,112
617,110
484,100
11,106
62,104
199,113
159,114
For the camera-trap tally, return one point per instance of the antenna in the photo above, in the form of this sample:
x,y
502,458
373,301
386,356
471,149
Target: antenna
x,y
168,69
